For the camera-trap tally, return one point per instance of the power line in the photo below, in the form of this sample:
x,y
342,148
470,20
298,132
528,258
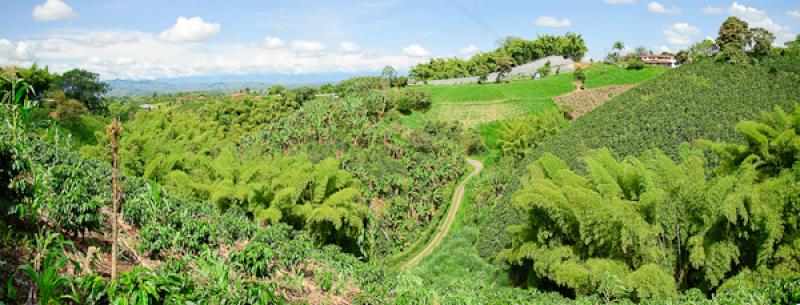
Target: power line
x,y
474,18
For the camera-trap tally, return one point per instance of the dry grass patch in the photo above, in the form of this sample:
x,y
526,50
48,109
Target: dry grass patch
x,y
584,101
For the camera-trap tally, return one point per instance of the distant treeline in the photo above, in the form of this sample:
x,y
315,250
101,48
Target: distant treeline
x,y
513,51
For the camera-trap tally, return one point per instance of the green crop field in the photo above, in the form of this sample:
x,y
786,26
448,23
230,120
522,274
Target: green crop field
x,y
476,105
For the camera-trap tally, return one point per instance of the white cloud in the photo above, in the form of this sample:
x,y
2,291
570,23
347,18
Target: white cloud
x,y
273,43
713,10
349,47
304,46
795,14
552,22
681,34
619,1
190,30
656,7
21,53
416,50
52,10
685,28
469,50
759,19
662,49
106,38
146,56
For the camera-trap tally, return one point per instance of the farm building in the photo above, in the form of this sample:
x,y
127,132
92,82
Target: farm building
x,y
660,60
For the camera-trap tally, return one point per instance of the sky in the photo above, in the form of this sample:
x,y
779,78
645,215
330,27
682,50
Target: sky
x,y
155,39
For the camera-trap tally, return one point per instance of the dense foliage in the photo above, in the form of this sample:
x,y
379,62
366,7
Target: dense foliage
x,y
405,174
649,225
694,101
514,51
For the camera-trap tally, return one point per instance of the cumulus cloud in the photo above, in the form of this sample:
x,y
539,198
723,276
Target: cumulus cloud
x,y
304,46
20,53
552,22
52,10
416,50
273,43
469,50
795,14
349,47
759,19
141,55
190,30
681,33
713,10
656,7
619,1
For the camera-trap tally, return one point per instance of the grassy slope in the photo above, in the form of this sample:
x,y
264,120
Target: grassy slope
x,y
704,100
456,266
484,106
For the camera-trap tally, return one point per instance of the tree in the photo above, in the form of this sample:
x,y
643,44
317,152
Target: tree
x,y
503,65
390,74
41,79
702,49
619,46
276,90
682,57
85,86
70,110
761,43
732,39
642,50
573,46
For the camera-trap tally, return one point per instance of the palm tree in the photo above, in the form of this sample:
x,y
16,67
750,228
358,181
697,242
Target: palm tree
x,y
619,46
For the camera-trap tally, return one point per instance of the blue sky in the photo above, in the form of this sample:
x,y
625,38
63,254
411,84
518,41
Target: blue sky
x,y
149,39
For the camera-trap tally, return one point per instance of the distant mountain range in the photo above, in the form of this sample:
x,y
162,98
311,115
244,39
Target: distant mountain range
x,y
223,83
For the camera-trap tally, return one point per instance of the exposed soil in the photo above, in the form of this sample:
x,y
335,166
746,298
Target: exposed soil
x,y
584,101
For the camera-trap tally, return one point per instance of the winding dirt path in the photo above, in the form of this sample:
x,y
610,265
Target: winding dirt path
x,y
458,196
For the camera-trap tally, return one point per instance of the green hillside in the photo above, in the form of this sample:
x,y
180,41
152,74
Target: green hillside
x,y
475,104
703,100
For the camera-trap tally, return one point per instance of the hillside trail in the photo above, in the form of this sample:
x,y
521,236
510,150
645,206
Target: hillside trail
x,y
458,196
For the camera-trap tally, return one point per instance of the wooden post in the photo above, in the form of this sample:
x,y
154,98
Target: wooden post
x,y
113,134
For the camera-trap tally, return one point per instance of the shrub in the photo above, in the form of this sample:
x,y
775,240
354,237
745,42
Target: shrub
x,y
71,109
634,63
406,101
519,136
472,141
568,111
579,76
74,199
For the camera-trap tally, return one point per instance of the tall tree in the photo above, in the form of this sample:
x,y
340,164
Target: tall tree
x,y
619,46
86,87
389,74
761,42
573,46
503,65
733,38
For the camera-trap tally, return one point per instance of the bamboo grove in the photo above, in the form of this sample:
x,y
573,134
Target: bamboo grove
x,y
649,226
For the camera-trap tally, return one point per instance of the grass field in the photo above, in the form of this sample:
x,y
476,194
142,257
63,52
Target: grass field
x,y
474,104
486,106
